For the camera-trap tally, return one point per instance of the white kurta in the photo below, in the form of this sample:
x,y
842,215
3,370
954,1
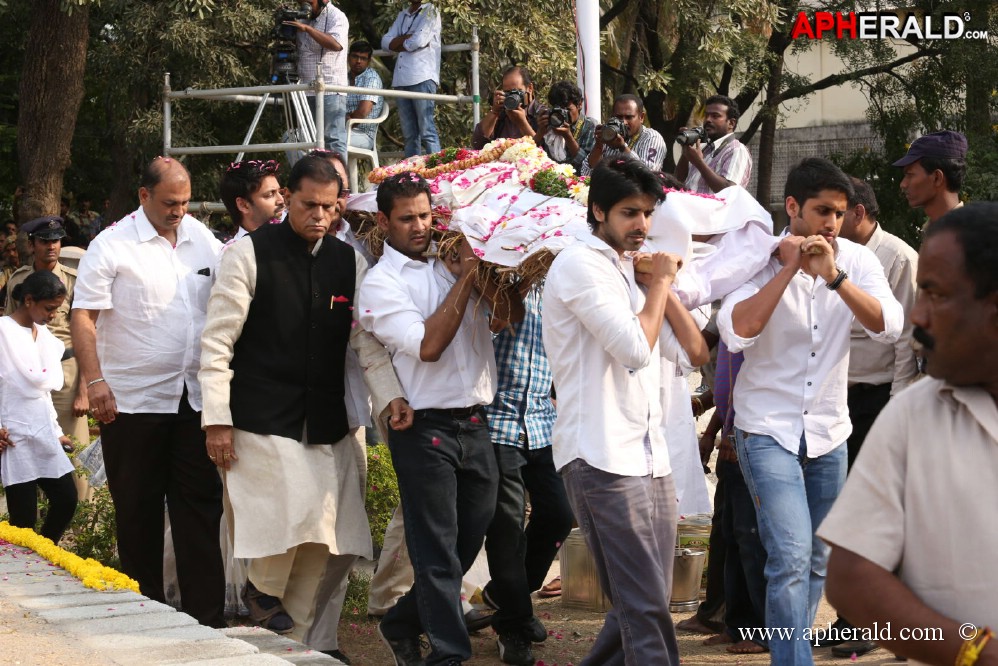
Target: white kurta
x,y
30,369
281,492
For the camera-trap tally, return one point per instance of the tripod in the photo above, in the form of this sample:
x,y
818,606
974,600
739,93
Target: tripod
x,y
298,121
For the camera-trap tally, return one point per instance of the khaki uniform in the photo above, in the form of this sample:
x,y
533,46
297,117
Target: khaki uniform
x,y
62,399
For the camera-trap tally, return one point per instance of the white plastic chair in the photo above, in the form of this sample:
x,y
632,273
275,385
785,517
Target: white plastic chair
x,y
354,154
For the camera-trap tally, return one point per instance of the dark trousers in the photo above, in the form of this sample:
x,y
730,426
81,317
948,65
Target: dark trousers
x,y
149,457
22,504
447,477
711,609
519,558
629,523
745,557
865,403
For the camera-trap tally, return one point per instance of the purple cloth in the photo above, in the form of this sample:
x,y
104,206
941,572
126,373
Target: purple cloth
x,y
728,365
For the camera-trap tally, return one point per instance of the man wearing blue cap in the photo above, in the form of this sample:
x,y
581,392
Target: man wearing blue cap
x,y
45,236
934,169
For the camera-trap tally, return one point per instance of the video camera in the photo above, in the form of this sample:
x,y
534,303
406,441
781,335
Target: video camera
x,y
284,52
690,136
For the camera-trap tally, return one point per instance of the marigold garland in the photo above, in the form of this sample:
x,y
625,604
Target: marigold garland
x,y
90,572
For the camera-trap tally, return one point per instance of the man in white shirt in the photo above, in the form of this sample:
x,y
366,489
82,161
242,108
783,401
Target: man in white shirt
x,y
601,333
251,194
792,321
923,485
138,313
415,36
422,308
724,160
322,45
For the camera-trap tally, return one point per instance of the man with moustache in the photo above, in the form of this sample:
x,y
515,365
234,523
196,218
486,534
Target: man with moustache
x,y
924,482
638,141
422,308
724,161
273,364
601,333
792,321
138,313
251,194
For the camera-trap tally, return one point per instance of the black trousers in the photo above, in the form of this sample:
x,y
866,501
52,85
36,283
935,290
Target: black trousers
x,y
22,504
150,458
865,403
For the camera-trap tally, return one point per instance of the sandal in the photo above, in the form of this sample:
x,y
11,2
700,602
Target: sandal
x,y
552,589
267,611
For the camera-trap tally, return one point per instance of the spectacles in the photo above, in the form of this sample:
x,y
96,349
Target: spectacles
x,y
253,167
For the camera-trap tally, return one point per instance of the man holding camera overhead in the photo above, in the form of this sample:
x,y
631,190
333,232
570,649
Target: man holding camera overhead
x,y
562,131
514,111
625,134
723,160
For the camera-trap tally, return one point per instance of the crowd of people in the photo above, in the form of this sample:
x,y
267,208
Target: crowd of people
x,y
235,383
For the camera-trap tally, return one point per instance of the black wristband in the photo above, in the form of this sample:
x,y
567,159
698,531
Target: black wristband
x,y
839,279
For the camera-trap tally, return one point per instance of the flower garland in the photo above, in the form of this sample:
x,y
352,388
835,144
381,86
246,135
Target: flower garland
x,y
419,164
91,573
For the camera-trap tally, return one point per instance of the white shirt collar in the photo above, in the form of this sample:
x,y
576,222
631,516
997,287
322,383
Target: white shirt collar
x,y
146,231
397,260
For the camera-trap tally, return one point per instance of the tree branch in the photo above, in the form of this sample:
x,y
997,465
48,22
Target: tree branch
x,y
612,13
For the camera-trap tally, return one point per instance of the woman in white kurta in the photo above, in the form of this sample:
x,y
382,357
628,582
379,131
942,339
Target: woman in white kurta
x,y
32,444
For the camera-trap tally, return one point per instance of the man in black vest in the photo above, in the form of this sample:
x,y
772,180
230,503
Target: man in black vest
x,y
279,320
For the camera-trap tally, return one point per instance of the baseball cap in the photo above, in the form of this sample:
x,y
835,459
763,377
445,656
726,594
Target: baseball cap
x,y
946,144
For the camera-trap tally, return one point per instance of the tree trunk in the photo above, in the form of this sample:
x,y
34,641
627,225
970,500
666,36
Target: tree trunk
x,y
51,90
767,135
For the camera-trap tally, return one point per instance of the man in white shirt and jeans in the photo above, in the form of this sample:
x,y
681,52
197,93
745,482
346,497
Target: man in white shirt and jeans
x,y
415,36
601,333
423,310
792,321
138,312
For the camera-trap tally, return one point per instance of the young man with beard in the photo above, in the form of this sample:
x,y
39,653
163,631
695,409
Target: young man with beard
x,y
792,320
924,480
252,195
422,308
601,333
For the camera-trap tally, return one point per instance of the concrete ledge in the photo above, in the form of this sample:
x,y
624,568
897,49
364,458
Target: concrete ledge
x,y
90,598
94,612
184,652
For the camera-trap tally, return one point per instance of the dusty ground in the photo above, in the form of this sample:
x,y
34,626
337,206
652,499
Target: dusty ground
x,y
574,631
27,639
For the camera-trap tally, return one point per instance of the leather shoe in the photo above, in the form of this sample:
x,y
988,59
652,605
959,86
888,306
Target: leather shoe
x,y
475,620
823,640
536,631
850,648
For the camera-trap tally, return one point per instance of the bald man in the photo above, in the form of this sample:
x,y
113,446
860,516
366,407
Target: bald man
x,y
141,296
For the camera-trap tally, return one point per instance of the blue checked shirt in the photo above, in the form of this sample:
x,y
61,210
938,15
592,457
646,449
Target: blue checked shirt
x,y
366,79
522,412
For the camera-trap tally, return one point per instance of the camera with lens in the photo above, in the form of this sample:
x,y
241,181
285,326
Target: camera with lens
x,y
284,52
514,99
557,117
612,128
690,136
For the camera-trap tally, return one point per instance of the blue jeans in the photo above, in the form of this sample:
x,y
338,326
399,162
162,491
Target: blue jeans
x,y
793,494
629,523
519,558
360,140
447,476
334,109
416,116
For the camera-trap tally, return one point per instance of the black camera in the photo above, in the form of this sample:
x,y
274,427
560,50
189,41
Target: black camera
x,y
289,33
514,99
611,128
284,52
557,117
690,136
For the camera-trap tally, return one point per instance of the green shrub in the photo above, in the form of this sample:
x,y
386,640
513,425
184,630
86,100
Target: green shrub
x,y
92,532
382,491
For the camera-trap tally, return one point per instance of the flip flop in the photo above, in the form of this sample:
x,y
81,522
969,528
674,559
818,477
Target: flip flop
x,y
267,611
552,589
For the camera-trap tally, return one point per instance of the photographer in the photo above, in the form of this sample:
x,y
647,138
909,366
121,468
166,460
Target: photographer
x,y
320,43
564,134
503,122
625,134
724,161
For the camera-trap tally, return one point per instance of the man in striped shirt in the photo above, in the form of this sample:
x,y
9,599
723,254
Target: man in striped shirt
x,y
725,160
638,141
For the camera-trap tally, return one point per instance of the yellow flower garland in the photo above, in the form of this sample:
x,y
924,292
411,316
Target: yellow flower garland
x,y
91,573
